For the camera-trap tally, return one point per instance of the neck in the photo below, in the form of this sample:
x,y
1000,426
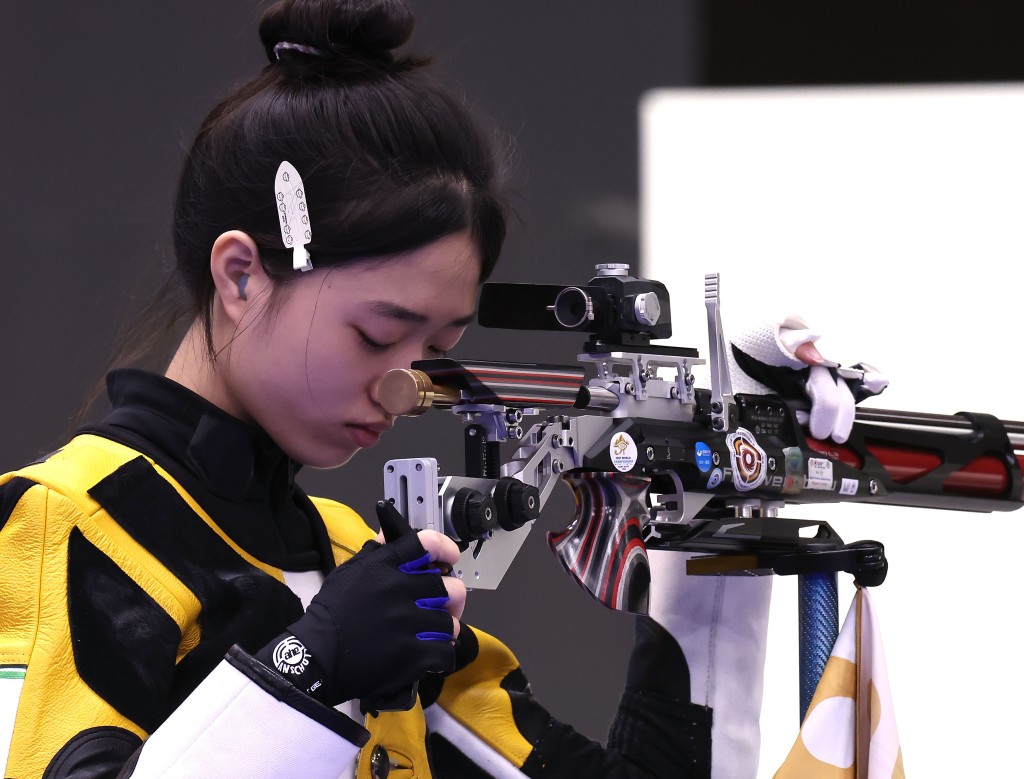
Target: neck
x,y
195,368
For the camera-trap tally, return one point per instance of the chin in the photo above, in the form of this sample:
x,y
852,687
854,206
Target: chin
x,y
327,460
318,454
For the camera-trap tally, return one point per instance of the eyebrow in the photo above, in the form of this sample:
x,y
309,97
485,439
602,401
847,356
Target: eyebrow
x,y
402,314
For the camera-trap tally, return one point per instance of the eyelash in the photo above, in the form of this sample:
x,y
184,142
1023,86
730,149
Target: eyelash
x,y
378,348
372,346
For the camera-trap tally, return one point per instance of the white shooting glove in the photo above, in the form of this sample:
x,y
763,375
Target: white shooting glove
x,y
780,357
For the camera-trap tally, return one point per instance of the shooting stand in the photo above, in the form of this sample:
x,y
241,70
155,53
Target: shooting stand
x,y
757,542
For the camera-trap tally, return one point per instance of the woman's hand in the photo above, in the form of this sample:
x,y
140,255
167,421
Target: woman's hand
x,y
782,357
380,622
445,551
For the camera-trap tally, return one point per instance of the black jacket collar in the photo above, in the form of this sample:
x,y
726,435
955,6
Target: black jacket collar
x,y
234,470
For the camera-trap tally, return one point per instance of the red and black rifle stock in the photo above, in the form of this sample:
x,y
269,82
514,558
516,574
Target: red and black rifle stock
x,y
654,461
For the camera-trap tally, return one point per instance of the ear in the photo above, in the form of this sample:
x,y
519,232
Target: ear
x,y
238,275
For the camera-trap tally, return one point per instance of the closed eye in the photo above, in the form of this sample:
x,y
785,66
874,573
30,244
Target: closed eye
x,y
370,345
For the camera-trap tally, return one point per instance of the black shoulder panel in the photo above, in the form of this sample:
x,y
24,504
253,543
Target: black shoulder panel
x,y
240,603
96,753
447,762
10,494
532,720
123,641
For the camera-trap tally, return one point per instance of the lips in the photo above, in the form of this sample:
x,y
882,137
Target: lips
x,y
367,435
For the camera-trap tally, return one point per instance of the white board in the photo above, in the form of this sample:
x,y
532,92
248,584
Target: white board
x,y
892,219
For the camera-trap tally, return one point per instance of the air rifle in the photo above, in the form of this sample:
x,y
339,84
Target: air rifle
x,y
656,462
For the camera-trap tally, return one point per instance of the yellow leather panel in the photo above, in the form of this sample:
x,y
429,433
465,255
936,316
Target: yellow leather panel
x,y
474,697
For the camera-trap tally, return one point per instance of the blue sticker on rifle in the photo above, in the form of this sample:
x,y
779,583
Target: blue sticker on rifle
x,y
703,457
715,479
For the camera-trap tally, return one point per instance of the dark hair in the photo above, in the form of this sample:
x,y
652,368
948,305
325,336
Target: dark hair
x,y
390,159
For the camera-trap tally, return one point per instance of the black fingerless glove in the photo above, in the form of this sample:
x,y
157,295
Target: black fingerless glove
x,y
375,628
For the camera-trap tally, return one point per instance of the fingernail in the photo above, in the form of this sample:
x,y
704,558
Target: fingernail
x,y
808,353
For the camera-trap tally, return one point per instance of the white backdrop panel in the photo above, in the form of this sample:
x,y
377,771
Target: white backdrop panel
x,y
892,219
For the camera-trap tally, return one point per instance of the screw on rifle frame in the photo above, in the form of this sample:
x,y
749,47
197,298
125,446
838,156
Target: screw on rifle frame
x,y
629,388
873,487
716,408
650,452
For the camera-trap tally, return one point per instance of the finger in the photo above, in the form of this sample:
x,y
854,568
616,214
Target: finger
x,y
794,333
440,548
874,381
807,352
845,412
456,596
456,627
392,524
821,388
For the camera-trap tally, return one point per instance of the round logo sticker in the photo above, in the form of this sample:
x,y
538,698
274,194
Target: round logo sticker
x,y
290,656
622,451
703,456
748,460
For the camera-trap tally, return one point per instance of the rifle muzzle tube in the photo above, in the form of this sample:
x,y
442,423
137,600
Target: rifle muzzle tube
x,y
407,392
950,422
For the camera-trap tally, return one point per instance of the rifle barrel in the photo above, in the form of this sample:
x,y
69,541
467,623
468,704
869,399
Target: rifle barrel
x,y
946,422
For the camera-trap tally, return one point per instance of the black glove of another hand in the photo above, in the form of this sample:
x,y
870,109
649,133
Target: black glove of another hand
x,y
378,624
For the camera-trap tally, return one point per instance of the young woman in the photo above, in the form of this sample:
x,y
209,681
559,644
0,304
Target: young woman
x,y
171,603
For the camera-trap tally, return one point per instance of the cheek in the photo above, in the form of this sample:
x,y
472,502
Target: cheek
x,y
333,370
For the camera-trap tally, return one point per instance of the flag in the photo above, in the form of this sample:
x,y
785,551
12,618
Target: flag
x,y
849,731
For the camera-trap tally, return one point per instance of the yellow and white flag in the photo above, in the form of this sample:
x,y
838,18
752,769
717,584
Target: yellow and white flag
x,y
849,731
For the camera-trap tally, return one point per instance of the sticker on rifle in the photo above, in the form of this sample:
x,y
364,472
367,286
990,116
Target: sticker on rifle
x,y
715,478
703,452
794,482
622,450
819,474
848,487
748,458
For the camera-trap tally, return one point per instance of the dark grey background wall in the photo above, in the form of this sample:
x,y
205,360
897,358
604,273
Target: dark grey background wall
x,y
99,100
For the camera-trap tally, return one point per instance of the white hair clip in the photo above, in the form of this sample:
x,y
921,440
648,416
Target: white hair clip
x,y
296,232
288,46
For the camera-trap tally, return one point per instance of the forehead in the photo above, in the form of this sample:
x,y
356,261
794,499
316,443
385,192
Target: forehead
x,y
439,280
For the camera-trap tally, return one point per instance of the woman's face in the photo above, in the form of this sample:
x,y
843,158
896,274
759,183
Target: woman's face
x,y
306,369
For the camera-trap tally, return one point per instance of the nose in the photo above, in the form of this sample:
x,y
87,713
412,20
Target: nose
x,y
402,359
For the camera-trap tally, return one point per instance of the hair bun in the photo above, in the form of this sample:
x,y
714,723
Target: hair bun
x,y
372,28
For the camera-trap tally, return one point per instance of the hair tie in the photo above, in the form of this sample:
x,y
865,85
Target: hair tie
x,y
299,47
